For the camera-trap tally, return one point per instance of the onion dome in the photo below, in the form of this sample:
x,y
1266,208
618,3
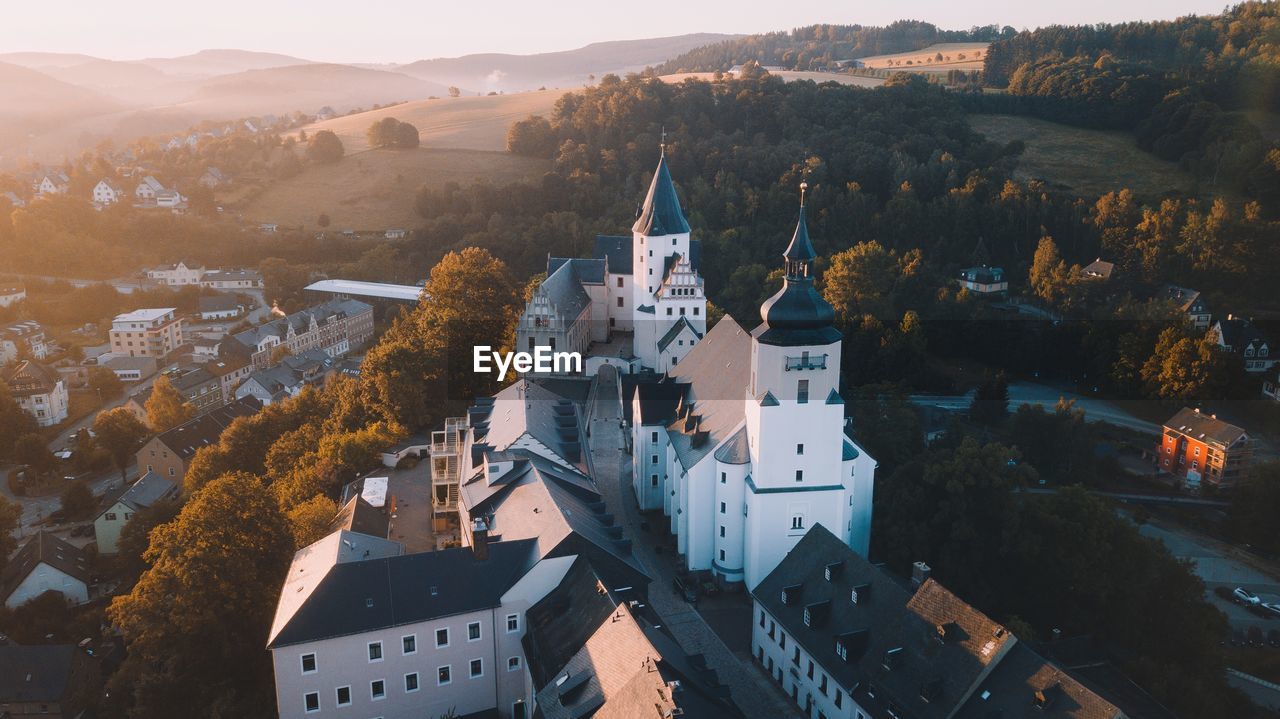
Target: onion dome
x,y
797,314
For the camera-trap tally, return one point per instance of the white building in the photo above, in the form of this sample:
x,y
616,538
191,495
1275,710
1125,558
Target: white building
x,y
22,337
147,190
232,279
107,192
742,443
52,183
145,492
177,275
44,564
152,332
43,394
12,295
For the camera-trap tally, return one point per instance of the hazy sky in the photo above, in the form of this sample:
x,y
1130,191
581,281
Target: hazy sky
x,y
406,30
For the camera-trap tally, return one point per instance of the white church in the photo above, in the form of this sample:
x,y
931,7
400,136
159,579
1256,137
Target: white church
x,y
737,436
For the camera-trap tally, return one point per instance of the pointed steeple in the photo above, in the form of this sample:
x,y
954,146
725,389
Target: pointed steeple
x,y
800,252
661,213
797,314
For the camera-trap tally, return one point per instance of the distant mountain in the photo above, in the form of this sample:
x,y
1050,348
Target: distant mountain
x,y
208,63
38,60
307,88
503,72
32,102
107,75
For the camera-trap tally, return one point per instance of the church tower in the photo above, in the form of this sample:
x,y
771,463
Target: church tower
x,y
794,417
665,284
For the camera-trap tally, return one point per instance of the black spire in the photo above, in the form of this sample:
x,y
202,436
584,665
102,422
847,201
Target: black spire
x,y
797,314
660,214
800,252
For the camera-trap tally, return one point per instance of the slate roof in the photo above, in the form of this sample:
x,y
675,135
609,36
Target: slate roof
x,y
44,548
148,490
36,674
590,654
360,517
801,248
301,320
1099,269
736,449
616,250
983,275
192,379
528,408
1185,299
218,303
1024,684
676,328
27,378
563,288
1205,427
695,259
354,597
658,397
899,646
1239,334
207,428
716,370
660,214
587,271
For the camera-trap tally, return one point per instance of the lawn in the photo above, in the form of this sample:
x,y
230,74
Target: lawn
x,y
955,56
1087,162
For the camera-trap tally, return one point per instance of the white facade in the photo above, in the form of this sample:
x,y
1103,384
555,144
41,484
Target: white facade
x,y
178,275
49,408
44,578
107,192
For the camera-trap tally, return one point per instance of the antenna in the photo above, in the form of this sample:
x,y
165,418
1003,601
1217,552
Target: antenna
x,y
662,146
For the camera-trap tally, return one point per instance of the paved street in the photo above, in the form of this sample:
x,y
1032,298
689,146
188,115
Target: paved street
x,y
1020,393
750,686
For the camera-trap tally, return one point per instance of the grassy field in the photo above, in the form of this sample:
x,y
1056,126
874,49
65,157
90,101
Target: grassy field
x,y
926,59
374,189
789,75
1087,162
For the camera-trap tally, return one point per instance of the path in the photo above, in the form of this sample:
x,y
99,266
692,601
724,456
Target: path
x,y
1020,393
750,687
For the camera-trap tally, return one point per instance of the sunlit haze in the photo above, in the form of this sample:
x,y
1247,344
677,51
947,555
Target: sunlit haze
x,y
403,30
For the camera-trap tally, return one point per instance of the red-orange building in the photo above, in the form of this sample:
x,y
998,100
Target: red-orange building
x,y
1202,448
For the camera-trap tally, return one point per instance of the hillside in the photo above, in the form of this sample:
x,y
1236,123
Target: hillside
x,y
941,57
208,63
788,75
569,68
32,102
303,87
1068,158
38,60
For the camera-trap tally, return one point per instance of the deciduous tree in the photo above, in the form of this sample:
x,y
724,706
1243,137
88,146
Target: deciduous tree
x,y
120,433
166,407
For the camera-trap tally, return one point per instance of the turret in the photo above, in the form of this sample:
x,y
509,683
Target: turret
x,y
797,315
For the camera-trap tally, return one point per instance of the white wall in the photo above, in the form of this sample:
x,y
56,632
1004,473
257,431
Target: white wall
x,y
42,579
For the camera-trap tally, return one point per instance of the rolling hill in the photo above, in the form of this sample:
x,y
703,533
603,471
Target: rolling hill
x,y
208,63
306,88
569,68
32,101
38,60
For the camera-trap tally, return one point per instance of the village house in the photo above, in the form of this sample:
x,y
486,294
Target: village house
x,y
169,453
219,307
288,378
146,492
232,280
146,333
1190,303
335,327
38,391
1099,269
213,177
12,295
177,275
21,339
107,192
199,387
52,183
46,564
53,681
147,189
1239,336
984,281
1201,449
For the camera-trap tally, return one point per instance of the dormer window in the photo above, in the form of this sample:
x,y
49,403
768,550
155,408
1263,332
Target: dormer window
x,y
860,594
791,594
832,572
891,658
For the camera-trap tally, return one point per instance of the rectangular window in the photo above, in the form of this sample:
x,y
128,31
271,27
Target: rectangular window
x,y
810,668
682,312
377,689
668,311
722,530
513,623
653,480
722,507
653,459
695,311
442,637
653,436
723,477
839,697
802,391
477,668
799,449
375,651
311,702
619,284
513,664
799,475
473,632
411,682
308,663
722,555
111,516
444,675
619,299
344,696
409,644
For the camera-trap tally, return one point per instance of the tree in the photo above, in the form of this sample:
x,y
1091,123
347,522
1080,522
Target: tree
x,y
77,501
390,132
107,384
991,400
1050,277
166,407
1184,368
1255,504
325,148
10,518
454,91
196,621
120,433
309,520
15,422
134,537
32,450
407,136
532,136
860,280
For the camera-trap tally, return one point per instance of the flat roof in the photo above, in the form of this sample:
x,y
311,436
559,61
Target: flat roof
x,y
356,288
144,315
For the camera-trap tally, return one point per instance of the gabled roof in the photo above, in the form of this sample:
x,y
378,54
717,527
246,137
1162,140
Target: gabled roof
x,y
616,249
1099,269
1185,299
680,325
563,286
333,598
218,303
1205,427
44,548
207,428
897,646
1239,333
148,490
660,214
360,517
1025,685
527,411
983,275
716,370
27,379
37,674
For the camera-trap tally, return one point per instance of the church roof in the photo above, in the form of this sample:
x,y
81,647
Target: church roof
x,y
735,450
797,315
801,248
716,370
617,250
660,214
675,331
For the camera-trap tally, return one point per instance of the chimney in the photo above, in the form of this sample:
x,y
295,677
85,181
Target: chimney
x,y
480,539
919,574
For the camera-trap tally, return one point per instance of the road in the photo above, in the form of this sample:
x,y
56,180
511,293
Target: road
x,y
750,687
1020,393
36,509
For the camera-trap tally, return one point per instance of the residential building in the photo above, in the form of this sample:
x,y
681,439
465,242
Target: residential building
x,y
130,369
396,233
145,492
52,183
170,199
230,371
42,393
1190,303
53,681
46,564
198,386
1202,449
147,190
985,281
336,327
22,339
1099,269
357,515
14,201
220,307
107,192
1238,335
288,378
1271,385
845,640
177,275
213,177
169,453
10,296
232,280
146,333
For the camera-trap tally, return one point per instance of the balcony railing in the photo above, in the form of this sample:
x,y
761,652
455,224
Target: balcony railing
x,y
802,363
